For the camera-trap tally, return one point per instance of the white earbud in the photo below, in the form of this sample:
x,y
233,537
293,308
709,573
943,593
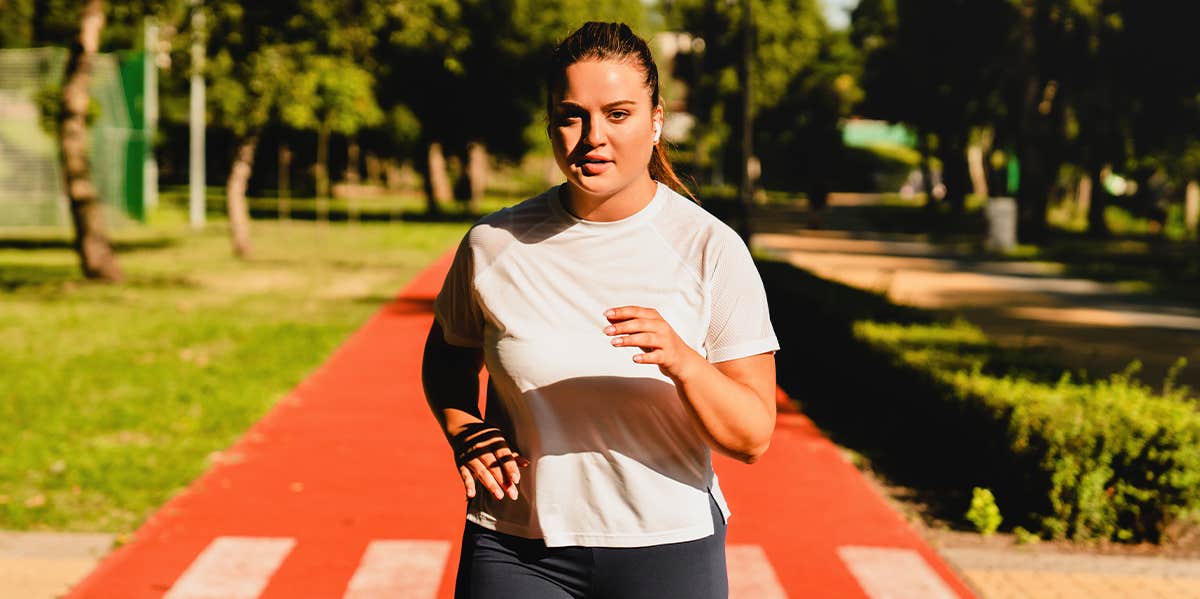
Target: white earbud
x,y
657,131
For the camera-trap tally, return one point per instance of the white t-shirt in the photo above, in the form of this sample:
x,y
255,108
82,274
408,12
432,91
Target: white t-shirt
x,y
616,461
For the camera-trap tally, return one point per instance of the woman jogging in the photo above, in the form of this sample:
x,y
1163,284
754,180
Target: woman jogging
x,y
625,333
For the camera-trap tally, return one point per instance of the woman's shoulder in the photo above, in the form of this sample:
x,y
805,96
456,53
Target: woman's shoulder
x,y
508,224
685,220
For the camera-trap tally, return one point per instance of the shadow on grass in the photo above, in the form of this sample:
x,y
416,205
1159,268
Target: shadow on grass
x,y
370,216
64,243
18,277
911,428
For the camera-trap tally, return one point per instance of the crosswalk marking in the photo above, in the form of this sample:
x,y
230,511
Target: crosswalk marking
x,y
232,568
892,573
750,574
399,568
241,567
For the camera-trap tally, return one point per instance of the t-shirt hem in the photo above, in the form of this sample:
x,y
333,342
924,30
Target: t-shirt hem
x,y
588,539
742,350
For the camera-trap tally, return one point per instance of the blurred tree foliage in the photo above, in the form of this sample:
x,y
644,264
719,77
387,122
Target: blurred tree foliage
x,y
1068,87
802,81
1071,86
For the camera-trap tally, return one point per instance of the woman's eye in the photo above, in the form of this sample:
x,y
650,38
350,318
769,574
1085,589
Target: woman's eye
x,y
618,115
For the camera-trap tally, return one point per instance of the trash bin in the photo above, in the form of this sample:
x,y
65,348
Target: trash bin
x,y
1002,224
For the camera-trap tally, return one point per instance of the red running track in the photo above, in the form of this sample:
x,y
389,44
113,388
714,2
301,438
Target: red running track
x,y
353,455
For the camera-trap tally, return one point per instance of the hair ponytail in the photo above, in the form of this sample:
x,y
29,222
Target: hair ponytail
x,y
660,170
613,41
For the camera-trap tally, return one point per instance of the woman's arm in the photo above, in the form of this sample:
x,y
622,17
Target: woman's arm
x,y
450,375
732,402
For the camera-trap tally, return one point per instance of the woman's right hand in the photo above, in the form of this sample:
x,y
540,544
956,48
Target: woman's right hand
x,y
482,454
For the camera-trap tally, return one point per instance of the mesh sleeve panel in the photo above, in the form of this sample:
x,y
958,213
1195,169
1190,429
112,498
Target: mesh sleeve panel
x,y
739,321
740,324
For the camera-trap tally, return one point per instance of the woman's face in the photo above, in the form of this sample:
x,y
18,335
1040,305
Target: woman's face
x,y
602,127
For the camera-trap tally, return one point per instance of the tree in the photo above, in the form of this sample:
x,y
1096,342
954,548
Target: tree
x,y
88,27
332,95
96,256
788,38
442,59
941,80
265,68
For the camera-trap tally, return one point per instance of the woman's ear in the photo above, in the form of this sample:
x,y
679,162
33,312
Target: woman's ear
x,y
657,119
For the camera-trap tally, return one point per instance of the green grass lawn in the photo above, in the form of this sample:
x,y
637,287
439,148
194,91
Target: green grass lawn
x,y
112,397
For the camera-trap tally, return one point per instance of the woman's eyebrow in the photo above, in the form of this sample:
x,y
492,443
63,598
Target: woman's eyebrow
x,y
609,106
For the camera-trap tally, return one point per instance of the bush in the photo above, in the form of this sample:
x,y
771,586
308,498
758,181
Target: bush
x,y
984,513
940,409
1112,458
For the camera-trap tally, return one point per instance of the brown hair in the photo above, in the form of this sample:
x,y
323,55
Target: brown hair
x,y
612,41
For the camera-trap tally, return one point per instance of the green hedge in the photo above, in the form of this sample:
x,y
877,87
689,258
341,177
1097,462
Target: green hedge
x,y
1115,458
940,409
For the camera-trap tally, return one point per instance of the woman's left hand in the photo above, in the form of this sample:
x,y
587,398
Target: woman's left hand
x,y
646,328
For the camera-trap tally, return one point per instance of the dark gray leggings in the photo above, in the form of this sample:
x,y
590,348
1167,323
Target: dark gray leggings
x,y
498,566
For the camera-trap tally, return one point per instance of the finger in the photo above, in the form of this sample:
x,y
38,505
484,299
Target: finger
x,y
477,451
507,460
646,341
637,325
627,312
657,356
484,476
496,468
468,481
514,475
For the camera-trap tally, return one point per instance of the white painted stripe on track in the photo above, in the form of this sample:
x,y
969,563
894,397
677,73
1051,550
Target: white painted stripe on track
x,y
232,568
894,573
751,575
399,568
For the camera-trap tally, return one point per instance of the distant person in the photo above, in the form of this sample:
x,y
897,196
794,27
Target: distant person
x,y
625,331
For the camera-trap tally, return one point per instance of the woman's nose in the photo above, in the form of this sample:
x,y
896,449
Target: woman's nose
x,y
594,135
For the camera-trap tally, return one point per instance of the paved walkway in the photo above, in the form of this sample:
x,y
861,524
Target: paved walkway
x,y
44,565
345,489
1097,327
1016,574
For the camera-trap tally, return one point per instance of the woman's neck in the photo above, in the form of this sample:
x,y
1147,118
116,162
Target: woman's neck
x,y
623,204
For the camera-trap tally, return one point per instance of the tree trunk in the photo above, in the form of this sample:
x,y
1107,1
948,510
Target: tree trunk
x,y
374,169
235,196
436,181
96,257
477,173
926,170
1083,198
352,154
955,174
285,180
1096,225
321,170
1036,138
1191,208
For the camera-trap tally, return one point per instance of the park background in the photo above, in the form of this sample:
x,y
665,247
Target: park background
x,y
152,312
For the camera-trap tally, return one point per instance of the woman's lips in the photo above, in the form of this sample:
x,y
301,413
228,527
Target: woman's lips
x,y
594,168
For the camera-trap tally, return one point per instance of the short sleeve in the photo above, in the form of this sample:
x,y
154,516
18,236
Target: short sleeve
x,y
456,307
740,324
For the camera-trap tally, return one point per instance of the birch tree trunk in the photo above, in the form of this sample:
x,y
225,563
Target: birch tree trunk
x,y
235,196
91,240
1191,208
